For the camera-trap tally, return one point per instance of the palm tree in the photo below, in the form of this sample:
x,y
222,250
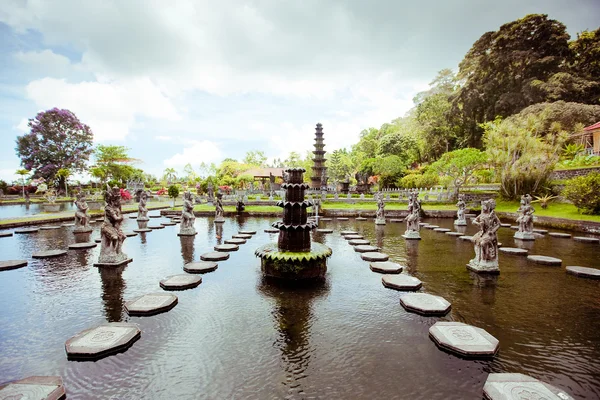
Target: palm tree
x,y
22,172
170,174
64,173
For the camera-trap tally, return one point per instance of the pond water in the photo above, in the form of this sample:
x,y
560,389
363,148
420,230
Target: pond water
x,y
236,336
21,210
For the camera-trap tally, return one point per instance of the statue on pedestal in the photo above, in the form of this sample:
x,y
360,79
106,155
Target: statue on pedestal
x,y
380,215
142,210
413,218
525,219
219,209
486,240
460,214
111,253
187,216
82,218
240,206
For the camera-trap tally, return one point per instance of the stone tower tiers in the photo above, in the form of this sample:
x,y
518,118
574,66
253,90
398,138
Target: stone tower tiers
x,y
319,176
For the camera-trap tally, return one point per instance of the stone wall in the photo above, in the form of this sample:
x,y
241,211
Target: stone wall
x,y
572,173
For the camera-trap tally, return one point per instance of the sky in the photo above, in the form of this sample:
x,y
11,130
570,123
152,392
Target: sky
x,y
191,81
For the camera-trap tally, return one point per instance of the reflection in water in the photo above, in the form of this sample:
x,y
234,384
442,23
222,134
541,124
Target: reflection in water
x,y
485,287
461,229
187,248
113,287
293,318
82,237
524,244
219,233
380,234
412,254
241,221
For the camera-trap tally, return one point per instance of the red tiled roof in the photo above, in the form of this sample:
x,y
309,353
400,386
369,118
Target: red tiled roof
x,y
592,127
264,172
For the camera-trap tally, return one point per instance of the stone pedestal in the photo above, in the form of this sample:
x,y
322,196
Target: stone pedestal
x,y
488,267
412,235
524,236
460,222
379,221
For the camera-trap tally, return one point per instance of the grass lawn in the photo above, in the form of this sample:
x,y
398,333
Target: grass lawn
x,y
207,207
556,210
388,206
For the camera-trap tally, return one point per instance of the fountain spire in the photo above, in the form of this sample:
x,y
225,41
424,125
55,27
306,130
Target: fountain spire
x,y
319,176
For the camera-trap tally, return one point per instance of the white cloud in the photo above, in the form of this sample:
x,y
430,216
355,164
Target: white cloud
x,y
195,153
164,138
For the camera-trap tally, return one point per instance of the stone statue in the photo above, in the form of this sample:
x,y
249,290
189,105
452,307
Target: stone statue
x,y
111,253
240,206
82,218
211,194
460,214
413,218
525,219
142,210
486,240
219,209
187,216
380,215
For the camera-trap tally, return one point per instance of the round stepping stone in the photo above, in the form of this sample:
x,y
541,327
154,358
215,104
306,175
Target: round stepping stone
x,y
272,230
386,267
545,260
584,239
242,236
27,230
325,230
374,256
200,267
235,241
101,341
151,304
130,234
514,251
396,220
99,220
5,234
584,272
344,233
457,234
49,253
168,223
425,304
431,226
365,248
559,235
12,264
401,282
227,247
351,237
342,219
180,282
34,387
214,256
325,219
519,386
541,231
470,215
134,216
99,240
466,238
84,245
154,216
464,340
361,219
68,224
50,227
505,225
358,242
247,232
156,227
142,230
441,230
514,227
423,223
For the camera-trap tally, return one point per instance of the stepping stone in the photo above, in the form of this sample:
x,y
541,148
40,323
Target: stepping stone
x,y
358,242
423,223
142,230
227,247
361,219
541,231
180,282
50,227
156,227
374,256
365,248
99,220
584,272
425,304
12,264
325,230
464,340
247,232
102,341
431,226
344,233
559,235
68,224
584,239
154,216
457,234
27,230
505,225
99,240
396,220
386,267
470,215
514,227
442,230
200,267
214,256
130,234
351,237
466,238
401,282
342,219
272,230
519,386
242,236
49,253
235,241
133,216
325,219
545,260
168,223
151,304
34,387
5,234
84,245
513,250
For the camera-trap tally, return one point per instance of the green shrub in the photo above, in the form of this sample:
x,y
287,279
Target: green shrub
x,y
584,192
173,191
412,181
580,161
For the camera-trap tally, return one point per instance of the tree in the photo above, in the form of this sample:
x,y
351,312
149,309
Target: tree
x,y
190,173
169,175
293,160
586,62
64,175
389,169
23,173
57,139
113,163
460,165
340,165
173,193
255,157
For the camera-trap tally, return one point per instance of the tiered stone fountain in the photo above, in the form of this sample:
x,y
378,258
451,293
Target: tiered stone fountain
x,y
294,257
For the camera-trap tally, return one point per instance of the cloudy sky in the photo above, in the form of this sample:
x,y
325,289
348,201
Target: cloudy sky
x,y
198,80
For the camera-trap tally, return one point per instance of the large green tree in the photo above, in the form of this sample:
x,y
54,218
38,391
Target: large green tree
x,y
460,165
114,163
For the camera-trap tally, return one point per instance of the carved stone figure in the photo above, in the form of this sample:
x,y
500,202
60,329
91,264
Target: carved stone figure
x,y
211,194
460,214
187,216
82,218
525,219
111,253
219,209
380,215
486,240
142,210
240,206
413,218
